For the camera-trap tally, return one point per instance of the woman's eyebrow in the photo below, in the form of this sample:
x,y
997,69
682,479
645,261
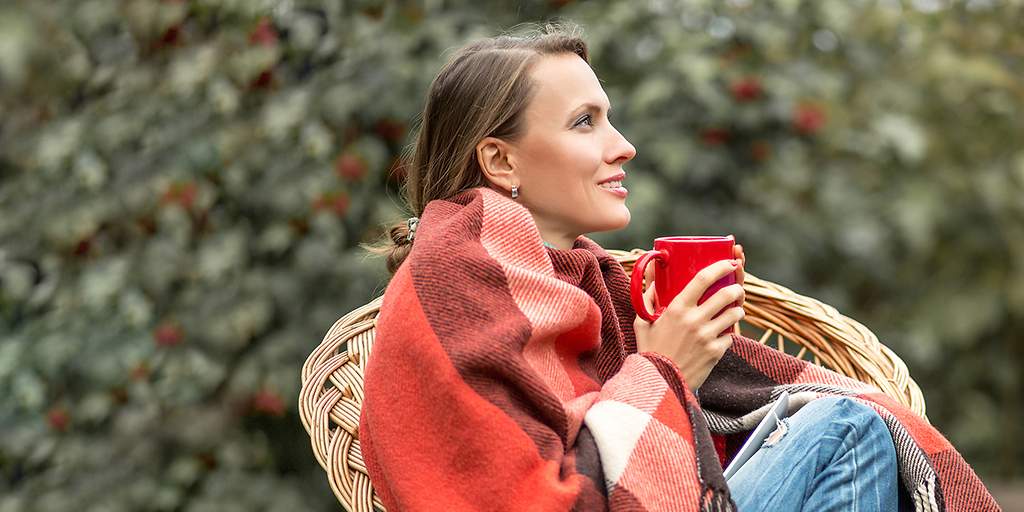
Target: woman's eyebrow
x,y
591,106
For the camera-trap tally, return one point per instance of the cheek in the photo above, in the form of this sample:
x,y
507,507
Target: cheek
x,y
589,170
568,165
581,161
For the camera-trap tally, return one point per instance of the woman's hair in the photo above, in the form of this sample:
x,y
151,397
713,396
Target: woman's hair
x,y
482,91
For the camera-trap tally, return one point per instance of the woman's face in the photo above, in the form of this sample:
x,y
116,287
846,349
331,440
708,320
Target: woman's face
x,y
568,148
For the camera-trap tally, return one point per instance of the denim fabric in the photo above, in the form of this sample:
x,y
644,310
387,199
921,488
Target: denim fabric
x,y
834,454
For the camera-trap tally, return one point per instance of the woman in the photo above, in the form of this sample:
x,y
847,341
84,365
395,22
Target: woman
x,y
510,372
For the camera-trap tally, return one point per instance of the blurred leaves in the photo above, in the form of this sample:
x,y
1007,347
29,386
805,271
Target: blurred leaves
x,y
184,185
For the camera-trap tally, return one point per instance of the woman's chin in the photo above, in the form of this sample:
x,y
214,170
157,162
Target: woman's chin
x,y
615,221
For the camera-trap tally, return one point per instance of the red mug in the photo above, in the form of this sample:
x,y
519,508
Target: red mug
x,y
679,259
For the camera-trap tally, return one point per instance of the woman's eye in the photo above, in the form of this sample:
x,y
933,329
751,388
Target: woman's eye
x,y
585,120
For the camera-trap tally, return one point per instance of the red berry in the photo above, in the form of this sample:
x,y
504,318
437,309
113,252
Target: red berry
x,y
264,80
390,130
170,37
715,136
187,195
263,34
808,118
183,194
748,89
350,166
340,205
58,418
167,335
268,402
335,202
83,246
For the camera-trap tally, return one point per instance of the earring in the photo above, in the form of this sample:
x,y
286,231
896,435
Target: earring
x,y
515,191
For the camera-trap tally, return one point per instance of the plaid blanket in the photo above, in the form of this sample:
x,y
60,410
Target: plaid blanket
x,y
505,376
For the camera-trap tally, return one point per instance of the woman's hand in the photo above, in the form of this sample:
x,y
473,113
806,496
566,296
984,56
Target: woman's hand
x,y
686,332
737,252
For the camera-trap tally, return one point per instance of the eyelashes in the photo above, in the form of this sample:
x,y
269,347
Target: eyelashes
x,y
588,120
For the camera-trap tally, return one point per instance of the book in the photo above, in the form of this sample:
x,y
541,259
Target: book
x,y
768,424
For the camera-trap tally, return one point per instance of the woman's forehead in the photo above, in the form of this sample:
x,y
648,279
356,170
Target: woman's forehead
x,y
564,83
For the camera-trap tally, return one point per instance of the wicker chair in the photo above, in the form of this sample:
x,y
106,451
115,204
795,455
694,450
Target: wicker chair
x,y
332,376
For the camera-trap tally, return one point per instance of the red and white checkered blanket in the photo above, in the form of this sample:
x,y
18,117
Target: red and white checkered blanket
x,y
504,376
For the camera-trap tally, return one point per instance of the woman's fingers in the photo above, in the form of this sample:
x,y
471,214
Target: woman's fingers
x,y
649,273
649,283
741,270
721,299
649,296
722,344
700,283
726,320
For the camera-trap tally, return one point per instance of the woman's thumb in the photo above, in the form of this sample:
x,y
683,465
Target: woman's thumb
x,y
649,297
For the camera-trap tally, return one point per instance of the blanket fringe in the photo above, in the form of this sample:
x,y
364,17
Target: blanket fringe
x,y
716,500
924,497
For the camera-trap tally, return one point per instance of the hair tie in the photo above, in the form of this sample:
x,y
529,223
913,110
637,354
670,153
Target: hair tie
x,y
412,222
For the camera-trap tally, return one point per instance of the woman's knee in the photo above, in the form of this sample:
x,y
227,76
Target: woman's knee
x,y
853,447
849,415
861,415
842,407
859,427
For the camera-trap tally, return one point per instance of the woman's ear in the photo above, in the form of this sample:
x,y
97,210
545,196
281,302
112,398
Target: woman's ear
x,y
496,162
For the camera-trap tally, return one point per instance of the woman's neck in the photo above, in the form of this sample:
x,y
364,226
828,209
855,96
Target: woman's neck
x,y
554,236
561,243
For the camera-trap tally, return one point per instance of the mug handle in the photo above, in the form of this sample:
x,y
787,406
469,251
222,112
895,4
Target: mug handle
x,y
636,283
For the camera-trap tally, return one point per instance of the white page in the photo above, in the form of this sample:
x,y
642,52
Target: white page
x,y
762,431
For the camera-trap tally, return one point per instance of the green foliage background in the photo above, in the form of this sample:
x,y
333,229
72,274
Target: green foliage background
x,y
183,185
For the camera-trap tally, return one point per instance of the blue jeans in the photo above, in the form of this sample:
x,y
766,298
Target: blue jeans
x,y
836,454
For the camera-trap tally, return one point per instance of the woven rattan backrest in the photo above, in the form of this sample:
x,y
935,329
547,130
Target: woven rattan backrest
x,y
332,376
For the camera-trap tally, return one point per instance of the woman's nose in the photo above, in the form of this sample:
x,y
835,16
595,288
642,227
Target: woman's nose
x,y
623,150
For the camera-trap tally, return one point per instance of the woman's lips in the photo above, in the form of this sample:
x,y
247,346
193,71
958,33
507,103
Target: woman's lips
x,y
617,190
